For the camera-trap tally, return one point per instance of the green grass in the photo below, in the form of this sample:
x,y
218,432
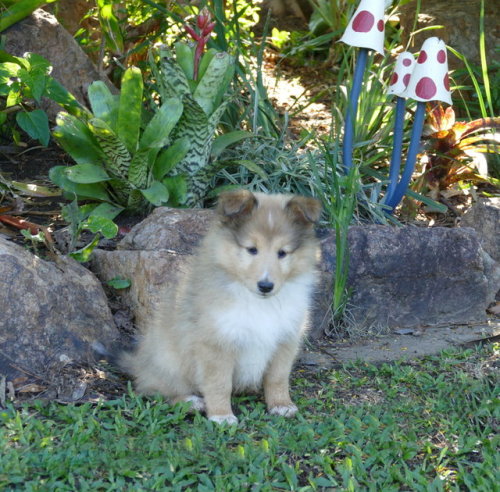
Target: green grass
x,y
425,425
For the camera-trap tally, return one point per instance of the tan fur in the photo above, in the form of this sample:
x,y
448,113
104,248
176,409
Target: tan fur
x,y
221,333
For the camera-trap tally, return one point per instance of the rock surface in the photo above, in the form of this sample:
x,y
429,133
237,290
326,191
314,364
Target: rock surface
x,y
460,21
400,278
484,217
41,33
410,277
50,314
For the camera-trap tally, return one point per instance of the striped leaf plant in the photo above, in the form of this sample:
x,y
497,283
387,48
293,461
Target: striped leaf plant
x,y
119,159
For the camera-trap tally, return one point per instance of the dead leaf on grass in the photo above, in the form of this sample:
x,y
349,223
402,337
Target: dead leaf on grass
x,y
31,388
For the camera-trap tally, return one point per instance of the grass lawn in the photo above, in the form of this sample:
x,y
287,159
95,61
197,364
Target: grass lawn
x,y
424,425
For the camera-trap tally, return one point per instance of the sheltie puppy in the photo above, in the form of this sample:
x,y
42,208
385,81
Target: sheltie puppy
x,y
240,312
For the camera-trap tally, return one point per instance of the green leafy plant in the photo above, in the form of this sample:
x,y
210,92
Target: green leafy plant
x,y
95,218
451,146
24,82
118,161
201,82
132,158
340,202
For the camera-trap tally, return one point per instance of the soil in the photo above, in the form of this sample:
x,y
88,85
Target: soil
x,y
289,88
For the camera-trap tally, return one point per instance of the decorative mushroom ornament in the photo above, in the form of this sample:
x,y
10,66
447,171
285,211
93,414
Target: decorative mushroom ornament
x,y
365,30
400,79
429,82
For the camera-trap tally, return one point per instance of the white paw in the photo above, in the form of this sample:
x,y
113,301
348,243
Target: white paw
x,y
284,410
197,403
224,419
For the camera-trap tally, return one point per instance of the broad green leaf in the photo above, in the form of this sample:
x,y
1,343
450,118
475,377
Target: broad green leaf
x,y
139,167
130,108
37,83
119,283
107,210
157,194
212,83
83,255
95,191
205,62
36,124
77,140
169,157
86,173
172,80
98,223
104,105
14,97
62,96
7,71
38,63
184,55
158,129
177,190
118,158
135,201
227,139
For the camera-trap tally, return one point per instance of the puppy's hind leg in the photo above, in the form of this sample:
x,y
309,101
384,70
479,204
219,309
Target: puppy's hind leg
x,y
197,402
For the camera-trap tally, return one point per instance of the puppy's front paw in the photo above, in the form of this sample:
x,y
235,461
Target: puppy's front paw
x,y
284,410
224,419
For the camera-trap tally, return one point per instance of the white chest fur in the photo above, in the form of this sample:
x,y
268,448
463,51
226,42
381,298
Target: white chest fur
x,y
255,326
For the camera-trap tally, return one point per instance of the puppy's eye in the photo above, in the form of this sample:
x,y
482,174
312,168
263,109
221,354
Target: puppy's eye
x,y
281,254
253,251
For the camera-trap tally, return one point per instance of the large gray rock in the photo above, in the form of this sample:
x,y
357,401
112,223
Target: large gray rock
x,y
400,277
51,313
412,277
484,218
41,33
152,255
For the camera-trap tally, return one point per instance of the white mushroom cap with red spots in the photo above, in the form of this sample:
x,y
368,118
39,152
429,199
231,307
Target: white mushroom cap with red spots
x,y
367,26
429,80
402,73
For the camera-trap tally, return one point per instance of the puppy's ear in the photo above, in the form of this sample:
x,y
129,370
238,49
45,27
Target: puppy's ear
x,y
234,207
304,210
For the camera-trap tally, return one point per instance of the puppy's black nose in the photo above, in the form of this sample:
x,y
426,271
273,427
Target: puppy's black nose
x,y
265,286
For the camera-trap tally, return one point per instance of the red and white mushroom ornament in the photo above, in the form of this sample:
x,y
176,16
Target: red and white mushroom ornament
x,y
405,63
429,80
367,26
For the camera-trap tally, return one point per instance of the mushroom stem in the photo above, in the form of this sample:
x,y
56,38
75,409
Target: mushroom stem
x,y
416,133
397,147
352,109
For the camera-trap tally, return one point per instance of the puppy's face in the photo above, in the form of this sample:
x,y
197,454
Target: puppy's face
x,y
268,239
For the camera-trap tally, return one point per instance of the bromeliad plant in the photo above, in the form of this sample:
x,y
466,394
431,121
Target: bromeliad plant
x,y
132,160
450,147
120,161
201,82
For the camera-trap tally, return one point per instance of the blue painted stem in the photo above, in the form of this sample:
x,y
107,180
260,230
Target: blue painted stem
x,y
352,109
416,134
397,147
